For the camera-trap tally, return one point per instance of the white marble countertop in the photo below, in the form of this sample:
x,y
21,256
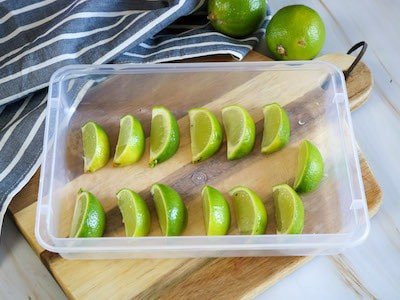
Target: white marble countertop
x,y
371,270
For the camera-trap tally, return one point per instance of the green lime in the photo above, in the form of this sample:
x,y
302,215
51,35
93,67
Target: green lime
x,y
236,18
205,134
131,141
289,210
89,219
240,131
217,216
276,128
171,211
164,135
135,213
295,32
251,215
310,168
96,147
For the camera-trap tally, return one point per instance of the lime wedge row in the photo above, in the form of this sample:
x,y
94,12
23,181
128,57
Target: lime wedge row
x,y
131,142
289,210
135,213
96,147
217,216
164,135
205,133
251,215
276,128
171,211
240,131
89,217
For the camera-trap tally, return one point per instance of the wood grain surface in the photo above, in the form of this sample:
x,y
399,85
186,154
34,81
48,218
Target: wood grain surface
x,y
169,278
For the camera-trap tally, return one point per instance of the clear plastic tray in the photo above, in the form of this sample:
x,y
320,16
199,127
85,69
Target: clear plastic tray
x,y
313,93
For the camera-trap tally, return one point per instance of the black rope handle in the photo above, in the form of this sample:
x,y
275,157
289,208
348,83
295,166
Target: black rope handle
x,y
364,46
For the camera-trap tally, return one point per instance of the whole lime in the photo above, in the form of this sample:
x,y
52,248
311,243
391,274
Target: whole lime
x,y
295,32
236,18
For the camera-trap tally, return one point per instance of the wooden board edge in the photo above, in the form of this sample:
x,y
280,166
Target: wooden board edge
x,y
275,278
361,76
376,205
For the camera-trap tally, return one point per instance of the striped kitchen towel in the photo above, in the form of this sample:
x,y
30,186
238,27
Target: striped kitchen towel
x,y
39,37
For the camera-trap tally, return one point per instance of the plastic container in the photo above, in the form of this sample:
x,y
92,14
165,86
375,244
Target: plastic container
x,y
314,94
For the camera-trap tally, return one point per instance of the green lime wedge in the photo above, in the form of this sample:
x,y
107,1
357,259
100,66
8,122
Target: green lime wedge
x,y
171,211
164,135
131,142
89,219
276,128
135,213
310,168
205,134
240,131
289,210
96,147
251,215
217,216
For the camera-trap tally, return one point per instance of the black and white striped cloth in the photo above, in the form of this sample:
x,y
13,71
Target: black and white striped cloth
x,y
39,37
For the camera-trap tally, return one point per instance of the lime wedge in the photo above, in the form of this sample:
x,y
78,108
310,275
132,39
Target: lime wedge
x,y
164,136
240,131
205,133
251,215
96,147
131,142
135,213
276,128
217,216
289,210
89,219
310,168
171,211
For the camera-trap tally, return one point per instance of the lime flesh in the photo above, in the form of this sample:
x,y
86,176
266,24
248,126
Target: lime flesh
x,y
276,128
171,211
96,147
289,210
217,217
164,136
240,131
251,215
135,213
205,134
131,142
89,217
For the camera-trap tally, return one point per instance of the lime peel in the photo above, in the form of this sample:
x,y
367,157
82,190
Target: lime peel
x,y
217,218
251,215
289,210
96,146
171,210
205,133
164,136
236,18
276,128
89,217
240,131
131,142
135,213
310,168
295,32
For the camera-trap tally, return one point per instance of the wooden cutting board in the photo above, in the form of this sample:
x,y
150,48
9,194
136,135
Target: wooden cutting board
x,y
203,278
